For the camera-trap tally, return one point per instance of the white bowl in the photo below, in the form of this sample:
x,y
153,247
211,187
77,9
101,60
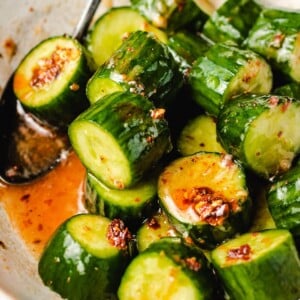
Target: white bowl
x,y
25,23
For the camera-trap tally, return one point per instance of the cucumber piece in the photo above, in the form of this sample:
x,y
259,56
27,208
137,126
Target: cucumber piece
x,y
153,229
276,36
291,89
283,198
86,257
132,205
206,197
262,131
186,47
148,69
199,134
225,72
50,80
169,269
109,30
232,21
248,264
120,138
170,15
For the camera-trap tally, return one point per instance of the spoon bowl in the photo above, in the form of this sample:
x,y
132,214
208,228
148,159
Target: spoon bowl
x,y
31,147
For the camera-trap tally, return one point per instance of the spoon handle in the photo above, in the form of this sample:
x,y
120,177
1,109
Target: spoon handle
x,y
85,19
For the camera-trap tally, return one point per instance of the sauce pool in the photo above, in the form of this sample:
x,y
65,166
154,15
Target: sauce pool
x,y
37,209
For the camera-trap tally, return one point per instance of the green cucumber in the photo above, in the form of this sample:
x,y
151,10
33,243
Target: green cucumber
x,y
260,265
154,228
206,197
291,89
170,15
276,36
232,21
141,65
283,198
50,80
86,257
199,134
120,138
169,269
186,47
109,30
262,131
132,205
226,71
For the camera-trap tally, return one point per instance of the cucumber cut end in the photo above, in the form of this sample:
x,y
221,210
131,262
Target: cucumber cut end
x,y
160,279
100,153
255,77
99,87
90,231
273,140
249,247
46,71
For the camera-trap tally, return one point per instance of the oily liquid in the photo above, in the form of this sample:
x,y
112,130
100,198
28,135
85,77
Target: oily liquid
x,y
37,209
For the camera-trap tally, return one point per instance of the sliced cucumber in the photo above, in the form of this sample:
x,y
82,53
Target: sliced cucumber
x,y
262,265
276,36
199,134
154,228
186,47
226,72
283,198
262,131
109,30
50,81
232,21
170,15
206,197
120,138
132,205
86,257
141,65
169,269
291,89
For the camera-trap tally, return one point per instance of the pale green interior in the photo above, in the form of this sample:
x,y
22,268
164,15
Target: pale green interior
x,y
273,140
90,231
155,276
100,153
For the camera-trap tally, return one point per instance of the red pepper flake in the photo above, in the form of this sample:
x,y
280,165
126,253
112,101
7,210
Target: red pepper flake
x,y
157,113
40,227
242,252
285,106
192,263
118,234
37,241
153,223
279,134
10,47
25,198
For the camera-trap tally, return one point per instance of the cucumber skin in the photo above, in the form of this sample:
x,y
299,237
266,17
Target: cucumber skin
x,y
149,67
60,112
262,38
261,273
283,198
97,202
176,249
232,21
117,109
170,16
100,279
211,75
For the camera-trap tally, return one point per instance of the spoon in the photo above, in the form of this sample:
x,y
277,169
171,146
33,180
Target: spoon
x,y
29,148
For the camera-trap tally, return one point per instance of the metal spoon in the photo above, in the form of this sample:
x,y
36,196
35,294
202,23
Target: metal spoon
x,y
30,148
